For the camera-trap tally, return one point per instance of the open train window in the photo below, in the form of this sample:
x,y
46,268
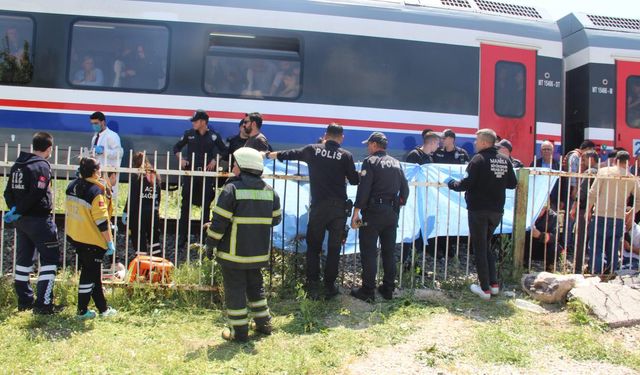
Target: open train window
x,y
16,63
252,66
121,56
510,89
633,101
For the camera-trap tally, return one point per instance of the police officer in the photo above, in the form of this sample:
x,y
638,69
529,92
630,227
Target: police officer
x,y
203,147
238,140
240,232
329,165
28,194
383,189
488,175
89,210
449,153
424,154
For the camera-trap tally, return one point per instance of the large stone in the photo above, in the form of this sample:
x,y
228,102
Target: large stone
x,y
631,280
551,288
615,304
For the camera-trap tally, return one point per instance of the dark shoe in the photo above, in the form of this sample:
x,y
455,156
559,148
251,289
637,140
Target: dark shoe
x,y
313,290
47,309
386,293
362,295
264,328
330,291
237,334
25,307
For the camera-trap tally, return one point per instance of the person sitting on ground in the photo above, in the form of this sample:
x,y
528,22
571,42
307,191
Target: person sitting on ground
x,y
631,246
541,241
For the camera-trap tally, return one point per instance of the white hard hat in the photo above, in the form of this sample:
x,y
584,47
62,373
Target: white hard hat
x,y
249,160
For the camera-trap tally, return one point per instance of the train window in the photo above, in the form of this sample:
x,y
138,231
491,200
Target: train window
x,y
633,101
252,66
16,64
510,89
118,55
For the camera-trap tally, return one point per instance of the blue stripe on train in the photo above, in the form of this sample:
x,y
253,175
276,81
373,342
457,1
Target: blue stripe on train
x,y
139,126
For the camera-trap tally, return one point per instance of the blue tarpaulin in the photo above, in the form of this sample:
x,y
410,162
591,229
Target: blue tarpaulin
x,y
434,210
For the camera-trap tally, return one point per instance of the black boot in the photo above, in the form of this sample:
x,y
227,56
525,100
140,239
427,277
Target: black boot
x,y
363,295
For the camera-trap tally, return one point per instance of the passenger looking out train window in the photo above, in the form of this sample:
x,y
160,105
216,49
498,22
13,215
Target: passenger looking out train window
x,y
252,77
225,75
134,68
15,49
129,56
510,89
633,101
88,75
260,75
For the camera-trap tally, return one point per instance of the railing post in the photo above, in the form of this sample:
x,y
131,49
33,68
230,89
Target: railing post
x,y
519,223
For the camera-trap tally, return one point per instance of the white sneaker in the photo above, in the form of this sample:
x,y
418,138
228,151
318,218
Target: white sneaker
x,y
477,290
109,312
495,289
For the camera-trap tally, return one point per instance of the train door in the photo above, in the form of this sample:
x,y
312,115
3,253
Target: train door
x,y
628,105
507,96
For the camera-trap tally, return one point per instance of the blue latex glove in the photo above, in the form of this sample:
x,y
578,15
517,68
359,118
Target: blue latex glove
x,y
111,248
448,180
99,150
124,218
7,215
10,216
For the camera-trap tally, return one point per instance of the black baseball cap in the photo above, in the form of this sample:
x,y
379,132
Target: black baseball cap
x,y
506,144
376,137
199,114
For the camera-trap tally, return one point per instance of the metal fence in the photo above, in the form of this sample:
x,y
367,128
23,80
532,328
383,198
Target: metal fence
x,y
431,253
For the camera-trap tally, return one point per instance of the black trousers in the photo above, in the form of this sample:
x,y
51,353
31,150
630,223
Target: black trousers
x,y
381,221
482,224
541,251
242,288
90,261
144,238
36,234
194,197
328,215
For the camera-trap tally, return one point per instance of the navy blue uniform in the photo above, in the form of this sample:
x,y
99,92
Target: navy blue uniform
x,y
418,156
329,165
383,189
28,189
144,213
202,149
457,156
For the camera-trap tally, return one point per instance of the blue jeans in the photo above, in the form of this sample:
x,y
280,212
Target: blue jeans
x,y
602,229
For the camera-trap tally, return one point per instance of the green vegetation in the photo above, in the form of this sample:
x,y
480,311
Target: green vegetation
x,y
174,331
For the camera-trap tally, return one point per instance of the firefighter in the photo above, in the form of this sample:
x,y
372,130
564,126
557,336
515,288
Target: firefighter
x,y
28,194
88,226
240,234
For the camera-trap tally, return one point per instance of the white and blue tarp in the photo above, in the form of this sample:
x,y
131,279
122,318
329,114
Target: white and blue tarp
x,y
434,210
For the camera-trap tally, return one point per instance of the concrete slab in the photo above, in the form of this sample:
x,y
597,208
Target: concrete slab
x,y
615,304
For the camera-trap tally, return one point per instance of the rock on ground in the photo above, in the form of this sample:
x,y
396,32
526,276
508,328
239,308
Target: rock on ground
x,y
615,304
551,288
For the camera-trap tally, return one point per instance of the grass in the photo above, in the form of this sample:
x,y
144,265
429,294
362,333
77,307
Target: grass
x,y
179,332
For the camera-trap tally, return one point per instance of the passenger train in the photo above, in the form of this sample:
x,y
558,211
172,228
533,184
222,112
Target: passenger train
x,y
396,66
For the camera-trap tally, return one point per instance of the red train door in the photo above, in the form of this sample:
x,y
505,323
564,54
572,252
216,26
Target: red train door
x,y
507,96
628,105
